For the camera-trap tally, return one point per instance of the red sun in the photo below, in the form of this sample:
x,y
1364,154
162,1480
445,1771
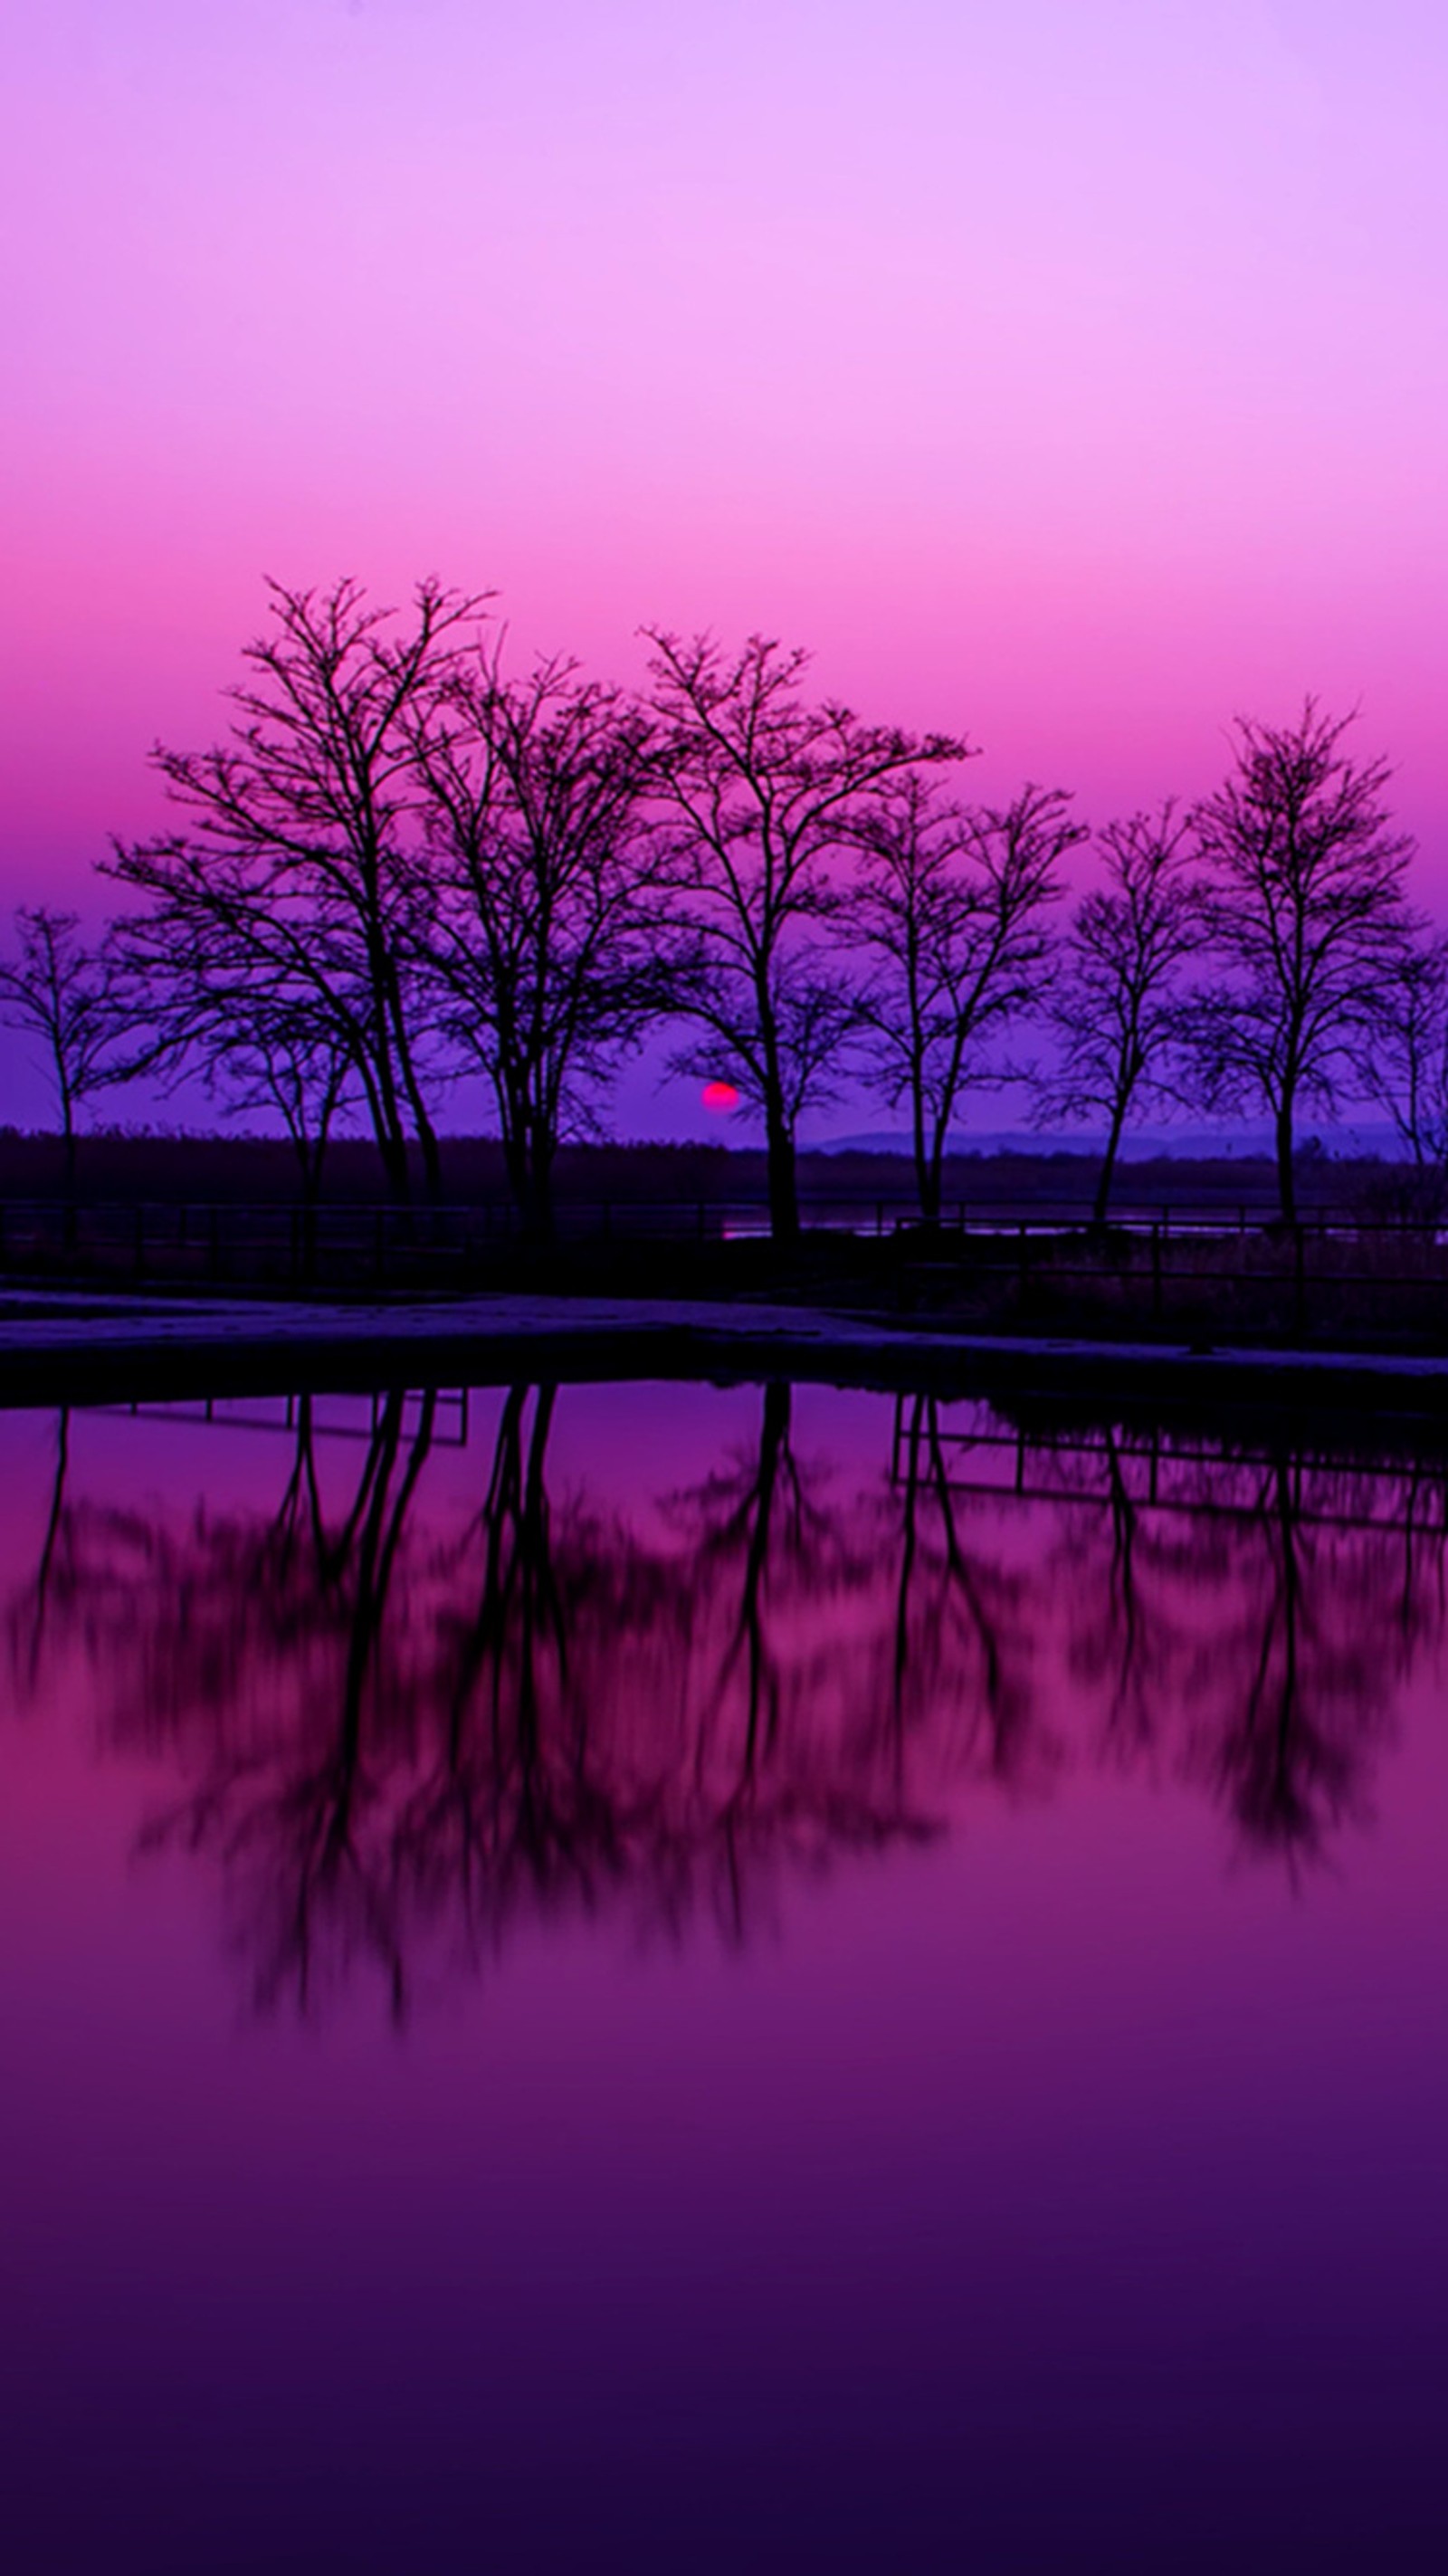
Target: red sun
x,y
719,1096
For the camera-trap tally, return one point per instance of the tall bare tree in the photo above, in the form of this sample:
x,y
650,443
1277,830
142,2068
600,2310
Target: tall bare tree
x,y
544,940
1115,994
759,792
1304,906
951,908
64,993
297,861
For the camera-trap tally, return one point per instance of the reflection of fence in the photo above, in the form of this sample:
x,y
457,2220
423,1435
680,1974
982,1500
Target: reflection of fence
x,y
344,1417
1152,1471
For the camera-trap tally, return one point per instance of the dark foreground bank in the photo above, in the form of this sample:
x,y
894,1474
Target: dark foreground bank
x,y
72,1349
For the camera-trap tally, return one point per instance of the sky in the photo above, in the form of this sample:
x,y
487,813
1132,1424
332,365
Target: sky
x,y
1072,373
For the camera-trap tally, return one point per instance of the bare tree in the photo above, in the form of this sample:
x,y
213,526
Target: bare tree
x,y
1404,1061
1304,905
951,907
297,869
759,791
221,1005
64,993
547,956
295,1066
814,1012
1115,1000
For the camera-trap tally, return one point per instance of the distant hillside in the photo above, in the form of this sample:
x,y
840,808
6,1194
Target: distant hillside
x,y
1250,1140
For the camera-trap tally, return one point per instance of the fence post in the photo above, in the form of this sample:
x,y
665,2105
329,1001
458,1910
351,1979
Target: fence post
x,y
1023,1266
213,1246
1156,1274
379,1245
140,1238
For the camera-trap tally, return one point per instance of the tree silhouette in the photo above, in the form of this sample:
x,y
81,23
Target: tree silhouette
x,y
961,1631
295,1063
759,791
544,939
950,909
1403,1061
1288,1692
68,996
294,885
1115,1002
1304,904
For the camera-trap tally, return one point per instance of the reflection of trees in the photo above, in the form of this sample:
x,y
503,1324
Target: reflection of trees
x,y
1271,1605
1287,1696
399,1731
396,1733
275,1635
1124,1569
781,1743
30,1610
961,1638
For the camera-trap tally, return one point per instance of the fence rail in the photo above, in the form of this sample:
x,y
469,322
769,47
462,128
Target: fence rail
x,y
1161,1266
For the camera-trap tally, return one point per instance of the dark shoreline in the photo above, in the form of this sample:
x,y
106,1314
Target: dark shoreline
x,y
70,1349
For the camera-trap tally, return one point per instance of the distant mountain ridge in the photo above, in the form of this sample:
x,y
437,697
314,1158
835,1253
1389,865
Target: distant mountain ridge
x,y
1245,1140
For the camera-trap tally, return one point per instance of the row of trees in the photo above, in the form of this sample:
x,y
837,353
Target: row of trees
x,y
408,865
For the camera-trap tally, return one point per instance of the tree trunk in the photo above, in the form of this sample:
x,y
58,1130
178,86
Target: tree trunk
x,y
930,1185
392,1147
431,1153
783,1189
542,1188
927,1182
72,1217
535,1199
528,1167
515,1163
1286,1181
1107,1172
387,1120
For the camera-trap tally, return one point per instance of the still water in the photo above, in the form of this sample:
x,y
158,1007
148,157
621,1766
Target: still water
x,y
693,1978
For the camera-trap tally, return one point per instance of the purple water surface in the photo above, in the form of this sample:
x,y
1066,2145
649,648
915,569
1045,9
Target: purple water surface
x,y
668,1978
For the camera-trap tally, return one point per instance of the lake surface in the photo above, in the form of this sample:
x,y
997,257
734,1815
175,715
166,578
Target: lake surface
x,y
689,1978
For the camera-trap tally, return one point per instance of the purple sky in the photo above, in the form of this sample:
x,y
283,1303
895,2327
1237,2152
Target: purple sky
x,y
1072,372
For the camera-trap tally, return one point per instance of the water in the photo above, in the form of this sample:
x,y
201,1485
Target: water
x,y
712,1978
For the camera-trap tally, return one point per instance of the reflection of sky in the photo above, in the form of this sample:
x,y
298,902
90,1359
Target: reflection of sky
x,y
1061,2175
1074,375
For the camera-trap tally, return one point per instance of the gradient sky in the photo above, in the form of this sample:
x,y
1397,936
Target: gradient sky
x,y
1072,371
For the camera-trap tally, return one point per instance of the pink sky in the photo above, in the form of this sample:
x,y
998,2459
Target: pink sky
x,y
1072,372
